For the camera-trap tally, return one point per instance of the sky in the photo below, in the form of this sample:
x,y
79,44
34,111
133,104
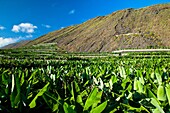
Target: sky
x,y
30,19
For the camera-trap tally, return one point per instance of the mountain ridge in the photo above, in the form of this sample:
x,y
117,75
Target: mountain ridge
x,y
147,27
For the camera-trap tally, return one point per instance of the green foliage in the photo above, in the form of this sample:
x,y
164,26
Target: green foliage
x,y
40,93
95,85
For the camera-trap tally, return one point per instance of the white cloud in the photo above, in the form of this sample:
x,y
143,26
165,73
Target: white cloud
x,y
72,11
24,27
2,27
47,26
15,28
6,41
29,36
62,27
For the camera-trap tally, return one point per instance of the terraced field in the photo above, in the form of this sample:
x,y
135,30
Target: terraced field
x,y
66,82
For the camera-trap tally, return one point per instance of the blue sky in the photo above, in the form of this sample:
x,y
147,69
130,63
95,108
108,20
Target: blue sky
x,y
29,19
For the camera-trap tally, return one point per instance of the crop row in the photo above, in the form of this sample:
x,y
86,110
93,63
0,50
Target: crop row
x,y
112,85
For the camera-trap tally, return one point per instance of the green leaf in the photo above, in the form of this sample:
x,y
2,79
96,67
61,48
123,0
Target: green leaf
x,y
156,104
101,84
161,94
12,96
18,96
56,98
22,79
152,75
67,108
152,95
124,83
167,88
135,84
84,93
146,102
17,100
17,81
72,92
153,85
52,99
140,86
134,108
114,78
122,72
90,99
4,79
141,79
77,87
93,98
13,83
41,92
79,100
55,107
156,110
33,74
12,99
99,108
159,78
97,99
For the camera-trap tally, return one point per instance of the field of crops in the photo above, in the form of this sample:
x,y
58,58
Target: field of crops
x,y
118,84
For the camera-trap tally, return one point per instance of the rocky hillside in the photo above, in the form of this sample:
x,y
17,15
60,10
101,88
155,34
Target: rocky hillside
x,y
147,27
16,45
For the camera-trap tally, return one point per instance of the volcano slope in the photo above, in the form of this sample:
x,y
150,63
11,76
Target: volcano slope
x,y
147,27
